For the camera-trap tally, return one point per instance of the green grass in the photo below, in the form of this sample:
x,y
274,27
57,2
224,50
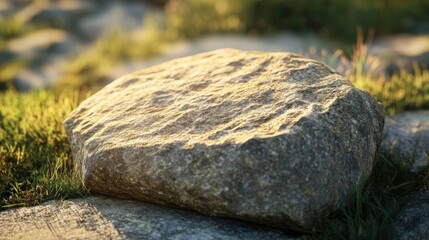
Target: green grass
x,y
399,92
35,158
375,205
402,91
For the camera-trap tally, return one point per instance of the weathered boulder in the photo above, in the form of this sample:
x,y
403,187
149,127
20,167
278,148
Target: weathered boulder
x,y
109,218
406,139
272,138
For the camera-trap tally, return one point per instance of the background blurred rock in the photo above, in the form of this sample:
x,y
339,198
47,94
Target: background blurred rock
x,y
406,140
406,51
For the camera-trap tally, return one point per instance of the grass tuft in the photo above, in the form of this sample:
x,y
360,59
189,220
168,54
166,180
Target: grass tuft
x,y
402,91
35,157
375,205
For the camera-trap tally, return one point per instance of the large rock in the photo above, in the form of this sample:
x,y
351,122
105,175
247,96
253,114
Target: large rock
x,y
108,218
272,138
406,140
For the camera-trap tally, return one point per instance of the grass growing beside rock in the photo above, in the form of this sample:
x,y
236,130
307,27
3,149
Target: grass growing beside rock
x,y
36,165
375,206
35,158
401,91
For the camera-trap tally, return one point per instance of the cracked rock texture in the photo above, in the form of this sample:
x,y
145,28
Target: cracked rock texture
x,y
406,139
272,138
109,218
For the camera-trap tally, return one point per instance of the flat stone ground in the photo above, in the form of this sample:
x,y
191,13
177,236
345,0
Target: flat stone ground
x,y
56,220
100,217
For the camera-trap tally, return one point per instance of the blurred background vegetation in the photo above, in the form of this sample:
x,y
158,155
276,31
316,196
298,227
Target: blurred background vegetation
x,y
338,19
94,37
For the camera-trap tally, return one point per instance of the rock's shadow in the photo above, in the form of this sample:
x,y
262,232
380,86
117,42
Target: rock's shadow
x,y
100,217
136,220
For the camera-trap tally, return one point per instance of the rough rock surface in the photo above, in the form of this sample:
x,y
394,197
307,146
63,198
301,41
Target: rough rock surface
x,y
272,138
406,139
106,218
413,221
